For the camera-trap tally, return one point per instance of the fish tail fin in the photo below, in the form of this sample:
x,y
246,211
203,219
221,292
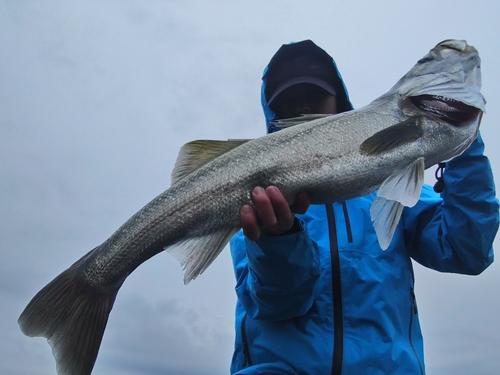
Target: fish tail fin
x,y
72,315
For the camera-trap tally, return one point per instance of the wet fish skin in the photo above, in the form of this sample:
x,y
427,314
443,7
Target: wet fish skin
x,y
385,145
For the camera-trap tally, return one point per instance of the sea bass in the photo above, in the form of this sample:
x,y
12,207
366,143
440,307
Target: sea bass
x,y
432,114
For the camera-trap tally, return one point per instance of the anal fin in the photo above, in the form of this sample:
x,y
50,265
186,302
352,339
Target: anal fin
x,y
197,253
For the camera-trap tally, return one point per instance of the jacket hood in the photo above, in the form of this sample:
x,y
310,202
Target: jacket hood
x,y
292,50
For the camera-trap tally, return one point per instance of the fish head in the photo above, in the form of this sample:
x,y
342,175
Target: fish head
x,y
445,85
450,72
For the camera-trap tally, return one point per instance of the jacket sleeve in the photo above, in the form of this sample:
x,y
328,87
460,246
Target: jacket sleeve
x,y
454,232
276,275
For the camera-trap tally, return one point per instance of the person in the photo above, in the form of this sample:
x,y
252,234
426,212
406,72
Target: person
x,y
316,294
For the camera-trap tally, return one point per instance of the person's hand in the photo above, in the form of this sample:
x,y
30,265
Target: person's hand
x,y
272,214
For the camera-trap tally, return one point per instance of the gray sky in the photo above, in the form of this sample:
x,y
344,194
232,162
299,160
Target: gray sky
x,y
97,97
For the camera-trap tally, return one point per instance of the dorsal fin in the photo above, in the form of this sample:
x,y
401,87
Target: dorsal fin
x,y
197,153
288,122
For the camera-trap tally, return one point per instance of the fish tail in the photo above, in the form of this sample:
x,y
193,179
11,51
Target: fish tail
x,y
72,315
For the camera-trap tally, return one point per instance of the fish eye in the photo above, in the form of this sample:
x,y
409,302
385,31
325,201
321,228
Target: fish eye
x,y
424,60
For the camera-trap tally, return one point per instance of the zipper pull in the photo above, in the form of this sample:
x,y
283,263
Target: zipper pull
x,y
414,301
439,185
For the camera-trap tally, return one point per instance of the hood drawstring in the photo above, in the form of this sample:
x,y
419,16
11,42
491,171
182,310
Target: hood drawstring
x,y
439,185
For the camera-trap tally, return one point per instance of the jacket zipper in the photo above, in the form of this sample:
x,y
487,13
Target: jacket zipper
x,y
347,222
247,361
338,319
413,312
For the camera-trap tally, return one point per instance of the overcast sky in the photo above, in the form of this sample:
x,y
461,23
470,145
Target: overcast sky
x,y
97,97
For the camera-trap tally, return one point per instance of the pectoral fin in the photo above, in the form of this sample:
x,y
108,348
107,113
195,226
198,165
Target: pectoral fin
x,y
197,153
397,191
392,137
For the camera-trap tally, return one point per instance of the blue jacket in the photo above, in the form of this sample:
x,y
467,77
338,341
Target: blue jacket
x,y
328,300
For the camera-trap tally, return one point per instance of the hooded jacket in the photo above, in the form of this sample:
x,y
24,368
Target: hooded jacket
x,y
328,300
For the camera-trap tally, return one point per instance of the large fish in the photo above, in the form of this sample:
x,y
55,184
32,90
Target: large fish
x,y
432,114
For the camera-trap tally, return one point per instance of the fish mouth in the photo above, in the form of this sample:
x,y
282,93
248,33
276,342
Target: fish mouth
x,y
452,111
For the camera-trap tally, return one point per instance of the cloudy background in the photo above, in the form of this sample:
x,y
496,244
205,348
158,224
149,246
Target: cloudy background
x,y
96,98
